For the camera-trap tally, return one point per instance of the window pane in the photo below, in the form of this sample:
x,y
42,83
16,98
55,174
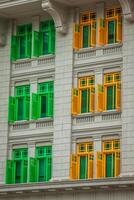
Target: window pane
x,y
85,101
111,32
18,172
86,35
41,170
22,47
111,97
110,160
45,43
20,108
83,167
43,106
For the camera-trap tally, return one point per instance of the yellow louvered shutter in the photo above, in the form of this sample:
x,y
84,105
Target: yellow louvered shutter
x,y
92,99
90,165
117,163
118,96
100,105
99,165
93,33
76,37
119,29
102,32
75,101
74,167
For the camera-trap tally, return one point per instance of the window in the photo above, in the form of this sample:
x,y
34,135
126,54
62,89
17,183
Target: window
x,y
108,161
41,166
21,44
42,102
83,97
16,169
44,40
110,28
85,31
109,94
82,162
19,105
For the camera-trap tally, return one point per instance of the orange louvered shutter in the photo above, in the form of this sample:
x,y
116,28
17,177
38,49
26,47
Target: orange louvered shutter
x,y
90,165
118,96
117,163
75,101
92,99
93,33
102,32
74,167
99,165
76,37
100,105
119,29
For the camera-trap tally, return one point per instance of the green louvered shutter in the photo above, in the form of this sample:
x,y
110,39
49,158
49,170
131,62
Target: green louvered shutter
x,y
48,168
26,107
50,104
24,171
14,48
35,44
28,45
35,106
110,165
12,109
52,38
40,43
84,94
10,172
33,170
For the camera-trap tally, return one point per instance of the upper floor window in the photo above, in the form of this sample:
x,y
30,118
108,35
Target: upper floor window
x,y
19,105
41,165
82,162
83,96
110,28
108,161
85,31
109,94
16,169
44,40
42,102
21,44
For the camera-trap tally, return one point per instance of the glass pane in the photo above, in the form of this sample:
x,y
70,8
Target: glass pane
x,y
45,43
83,167
43,106
111,97
110,165
18,172
22,47
41,170
111,32
20,108
86,35
85,101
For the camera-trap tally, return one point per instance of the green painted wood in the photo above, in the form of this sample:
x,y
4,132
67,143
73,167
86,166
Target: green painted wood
x,y
110,168
10,172
35,106
111,97
35,44
13,55
111,32
12,109
86,36
33,170
83,167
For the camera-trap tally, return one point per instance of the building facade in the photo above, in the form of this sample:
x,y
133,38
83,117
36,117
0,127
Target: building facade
x,y
66,99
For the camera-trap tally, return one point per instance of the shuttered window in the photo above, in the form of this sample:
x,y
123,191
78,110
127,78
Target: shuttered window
x,y
19,106
21,44
41,165
42,102
82,162
16,169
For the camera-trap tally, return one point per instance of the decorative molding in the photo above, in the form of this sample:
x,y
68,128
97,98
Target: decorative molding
x,y
128,9
58,12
